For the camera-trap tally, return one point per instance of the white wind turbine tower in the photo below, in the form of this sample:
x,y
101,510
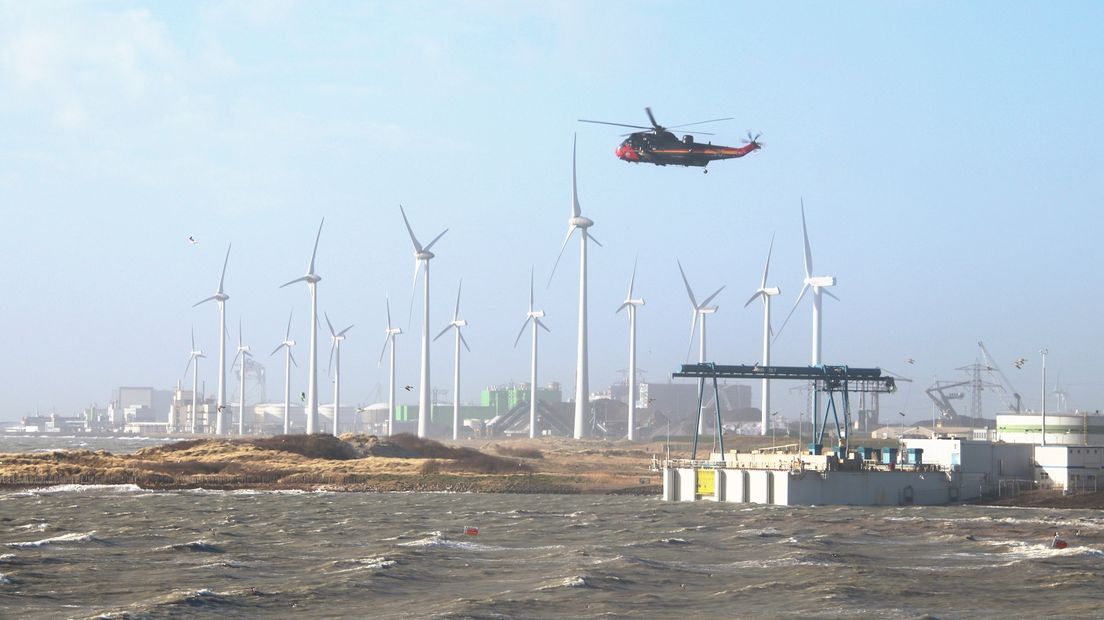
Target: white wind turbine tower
x,y
535,316
288,343
819,284
390,339
422,255
312,280
632,304
193,358
220,297
335,347
766,293
243,352
457,323
578,221
702,310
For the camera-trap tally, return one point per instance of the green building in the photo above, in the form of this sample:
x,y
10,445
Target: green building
x,y
500,400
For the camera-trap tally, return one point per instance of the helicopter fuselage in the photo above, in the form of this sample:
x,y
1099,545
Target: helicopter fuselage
x,y
663,148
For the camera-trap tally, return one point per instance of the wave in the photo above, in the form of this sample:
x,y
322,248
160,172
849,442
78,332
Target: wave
x,y
437,539
5,580
82,488
73,537
201,546
359,564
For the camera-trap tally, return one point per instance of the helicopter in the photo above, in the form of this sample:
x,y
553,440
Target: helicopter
x,y
657,145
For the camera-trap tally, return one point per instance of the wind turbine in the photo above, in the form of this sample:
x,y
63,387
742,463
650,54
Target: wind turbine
x,y
632,304
243,352
422,255
335,347
702,310
193,358
535,316
819,284
391,333
578,221
312,374
220,297
765,293
288,343
457,323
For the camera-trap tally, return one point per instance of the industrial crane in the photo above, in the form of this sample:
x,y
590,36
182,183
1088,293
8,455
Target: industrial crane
x,y
942,399
1003,384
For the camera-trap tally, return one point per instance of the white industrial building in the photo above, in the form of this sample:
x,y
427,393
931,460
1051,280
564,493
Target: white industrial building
x,y
1062,429
1076,468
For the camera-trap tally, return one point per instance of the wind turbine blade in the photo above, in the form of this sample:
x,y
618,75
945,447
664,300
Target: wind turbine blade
x,y
188,366
632,280
435,239
830,294
329,367
413,239
442,332
212,298
276,350
224,264
623,305
464,341
766,267
291,356
689,291
576,210
235,360
693,330
808,251
522,330
239,333
329,324
541,324
799,298
300,279
310,268
456,312
753,298
287,334
591,237
193,337
570,230
710,298
344,331
531,288
413,292
384,351
387,300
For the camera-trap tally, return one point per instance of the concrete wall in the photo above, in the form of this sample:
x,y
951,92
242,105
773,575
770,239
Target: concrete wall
x,y
999,460
1070,467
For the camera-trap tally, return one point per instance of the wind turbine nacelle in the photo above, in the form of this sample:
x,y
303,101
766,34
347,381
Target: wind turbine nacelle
x,y
635,302
290,343
394,331
537,314
460,323
581,221
423,255
709,310
771,292
821,281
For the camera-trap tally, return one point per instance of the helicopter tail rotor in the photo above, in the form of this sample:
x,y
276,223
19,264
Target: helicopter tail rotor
x,y
753,139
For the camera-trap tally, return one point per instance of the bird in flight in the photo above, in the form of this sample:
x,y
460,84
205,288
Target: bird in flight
x,y
192,240
911,361
302,396
408,387
1020,362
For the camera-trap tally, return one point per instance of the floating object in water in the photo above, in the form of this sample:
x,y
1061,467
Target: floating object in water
x,y
1058,543
471,531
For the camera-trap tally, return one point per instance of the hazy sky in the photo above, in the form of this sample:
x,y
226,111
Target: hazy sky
x,y
948,155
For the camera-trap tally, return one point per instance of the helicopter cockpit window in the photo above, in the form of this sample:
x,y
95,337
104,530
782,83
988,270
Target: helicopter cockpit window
x,y
688,139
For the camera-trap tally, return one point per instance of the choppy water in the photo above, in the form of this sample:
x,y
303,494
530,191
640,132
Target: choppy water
x,y
44,443
115,552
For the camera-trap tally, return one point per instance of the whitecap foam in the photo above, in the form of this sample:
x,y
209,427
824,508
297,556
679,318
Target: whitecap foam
x,y
73,537
83,488
574,581
201,545
5,580
436,539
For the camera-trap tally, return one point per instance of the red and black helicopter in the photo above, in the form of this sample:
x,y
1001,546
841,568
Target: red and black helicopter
x,y
657,145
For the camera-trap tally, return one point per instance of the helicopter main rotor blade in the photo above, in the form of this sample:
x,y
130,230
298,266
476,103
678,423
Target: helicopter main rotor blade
x,y
714,120
651,117
583,120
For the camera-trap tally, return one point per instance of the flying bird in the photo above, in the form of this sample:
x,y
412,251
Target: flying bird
x,y
911,361
408,387
302,396
1020,362
192,240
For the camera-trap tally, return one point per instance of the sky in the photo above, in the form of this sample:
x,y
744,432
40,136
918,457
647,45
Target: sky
x,y
946,153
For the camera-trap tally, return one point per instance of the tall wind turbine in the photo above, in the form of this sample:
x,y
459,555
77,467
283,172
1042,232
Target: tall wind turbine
x,y
422,255
535,316
632,304
220,297
312,374
335,348
243,353
390,339
457,323
289,359
193,363
819,284
765,293
578,221
702,310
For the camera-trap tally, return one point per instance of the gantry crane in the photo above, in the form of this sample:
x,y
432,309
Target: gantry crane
x,y
1004,386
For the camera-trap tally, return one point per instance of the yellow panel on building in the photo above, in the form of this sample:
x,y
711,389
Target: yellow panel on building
x,y
706,481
